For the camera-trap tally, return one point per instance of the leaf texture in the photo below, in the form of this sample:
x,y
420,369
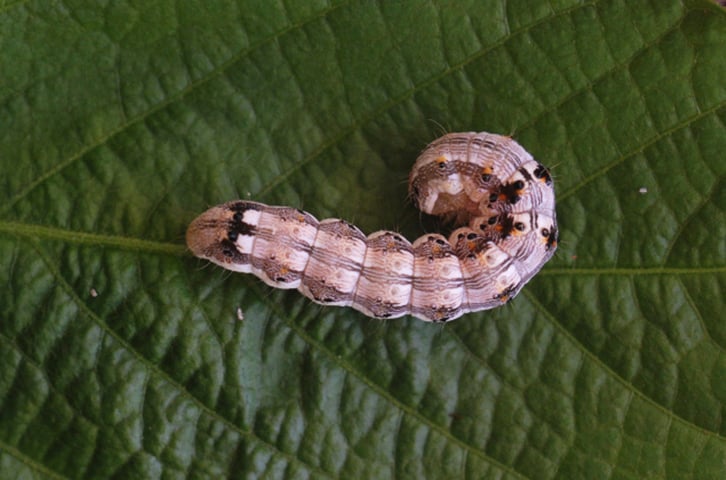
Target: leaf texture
x,y
122,356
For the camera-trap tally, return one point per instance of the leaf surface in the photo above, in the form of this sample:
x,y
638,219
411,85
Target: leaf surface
x,y
121,355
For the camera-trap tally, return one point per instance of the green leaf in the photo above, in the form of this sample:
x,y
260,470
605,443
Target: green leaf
x,y
122,356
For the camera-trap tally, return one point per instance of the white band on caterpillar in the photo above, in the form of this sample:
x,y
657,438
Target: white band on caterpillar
x,y
485,181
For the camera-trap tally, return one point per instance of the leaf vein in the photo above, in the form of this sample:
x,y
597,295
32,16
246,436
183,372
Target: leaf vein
x,y
153,369
192,86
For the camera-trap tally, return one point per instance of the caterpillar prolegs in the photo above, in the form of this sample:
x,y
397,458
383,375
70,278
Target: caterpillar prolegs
x,y
487,182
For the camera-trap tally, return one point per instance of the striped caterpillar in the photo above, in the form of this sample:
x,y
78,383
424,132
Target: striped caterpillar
x,y
488,182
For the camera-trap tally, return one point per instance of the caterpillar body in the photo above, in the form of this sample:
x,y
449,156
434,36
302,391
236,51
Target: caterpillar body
x,y
488,182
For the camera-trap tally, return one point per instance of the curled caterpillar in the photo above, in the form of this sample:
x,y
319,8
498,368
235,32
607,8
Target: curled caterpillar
x,y
487,182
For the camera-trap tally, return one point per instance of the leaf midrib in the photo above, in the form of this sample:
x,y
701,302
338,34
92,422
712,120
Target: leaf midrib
x,y
41,232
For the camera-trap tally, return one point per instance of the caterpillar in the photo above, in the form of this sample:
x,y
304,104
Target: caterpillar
x,y
488,183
